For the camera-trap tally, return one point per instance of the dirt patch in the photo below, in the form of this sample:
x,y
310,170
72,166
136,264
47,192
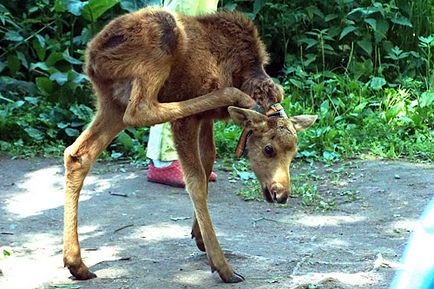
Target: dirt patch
x,y
136,234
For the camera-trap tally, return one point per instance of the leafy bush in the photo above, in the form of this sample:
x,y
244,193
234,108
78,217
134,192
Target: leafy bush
x,y
344,35
44,97
356,117
365,67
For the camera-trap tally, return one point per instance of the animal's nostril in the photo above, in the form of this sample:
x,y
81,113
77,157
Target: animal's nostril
x,y
274,194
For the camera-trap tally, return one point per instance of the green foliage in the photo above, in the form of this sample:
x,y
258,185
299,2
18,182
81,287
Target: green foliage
x,y
365,67
343,35
226,138
6,253
357,117
250,191
44,96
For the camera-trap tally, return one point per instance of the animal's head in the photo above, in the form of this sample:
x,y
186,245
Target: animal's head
x,y
271,146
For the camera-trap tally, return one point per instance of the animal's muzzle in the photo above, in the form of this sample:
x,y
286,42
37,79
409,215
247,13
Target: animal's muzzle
x,y
276,193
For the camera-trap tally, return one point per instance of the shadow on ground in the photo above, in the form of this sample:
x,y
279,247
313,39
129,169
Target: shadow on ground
x,y
142,239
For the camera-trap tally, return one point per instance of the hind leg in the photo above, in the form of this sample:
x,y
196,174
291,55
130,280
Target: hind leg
x,y
144,109
79,158
144,47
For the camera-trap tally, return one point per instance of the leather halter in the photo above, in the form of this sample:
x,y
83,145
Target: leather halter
x,y
276,109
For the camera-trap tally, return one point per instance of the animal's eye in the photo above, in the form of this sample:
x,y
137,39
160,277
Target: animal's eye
x,y
269,151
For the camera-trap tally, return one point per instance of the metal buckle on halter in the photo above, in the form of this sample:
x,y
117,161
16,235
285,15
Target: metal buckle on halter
x,y
276,109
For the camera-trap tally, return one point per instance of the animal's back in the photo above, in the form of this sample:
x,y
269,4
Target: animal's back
x,y
219,50
199,54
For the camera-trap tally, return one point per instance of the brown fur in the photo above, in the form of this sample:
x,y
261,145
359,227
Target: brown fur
x,y
152,66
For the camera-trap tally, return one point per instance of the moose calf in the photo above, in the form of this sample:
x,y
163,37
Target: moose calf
x,y
152,66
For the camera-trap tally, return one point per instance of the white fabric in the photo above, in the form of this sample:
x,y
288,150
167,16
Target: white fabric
x,y
154,143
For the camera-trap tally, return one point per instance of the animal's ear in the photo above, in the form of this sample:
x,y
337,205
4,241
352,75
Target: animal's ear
x,y
302,122
247,118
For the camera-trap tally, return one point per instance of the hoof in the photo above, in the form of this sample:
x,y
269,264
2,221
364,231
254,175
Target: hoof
x,y
86,276
200,245
199,241
235,278
81,272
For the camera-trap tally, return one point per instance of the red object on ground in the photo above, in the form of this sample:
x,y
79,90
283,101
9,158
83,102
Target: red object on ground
x,y
171,175
212,177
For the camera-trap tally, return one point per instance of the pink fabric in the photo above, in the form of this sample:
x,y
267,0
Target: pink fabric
x,y
171,175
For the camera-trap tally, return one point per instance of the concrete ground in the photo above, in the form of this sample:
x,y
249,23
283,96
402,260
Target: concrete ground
x,y
136,234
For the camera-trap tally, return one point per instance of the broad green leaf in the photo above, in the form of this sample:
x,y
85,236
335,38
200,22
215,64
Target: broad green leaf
x,y
34,133
72,132
313,10
347,30
85,36
309,41
59,6
41,65
257,6
44,84
310,58
40,51
40,39
74,7
426,42
376,83
71,59
329,48
76,77
329,156
359,108
372,22
357,10
13,63
115,155
53,58
296,83
125,140
381,31
32,100
426,99
18,103
2,66
231,6
12,84
82,112
401,20
34,9
366,45
324,107
95,8
246,175
330,17
77,123
22,59
14,36
62,125
134,5
60,77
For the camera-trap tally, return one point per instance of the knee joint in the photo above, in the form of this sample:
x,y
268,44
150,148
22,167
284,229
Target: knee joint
x,y
73,160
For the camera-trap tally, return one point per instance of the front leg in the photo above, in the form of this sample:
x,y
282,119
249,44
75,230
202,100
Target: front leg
x,y
208,156
143,108
186,139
